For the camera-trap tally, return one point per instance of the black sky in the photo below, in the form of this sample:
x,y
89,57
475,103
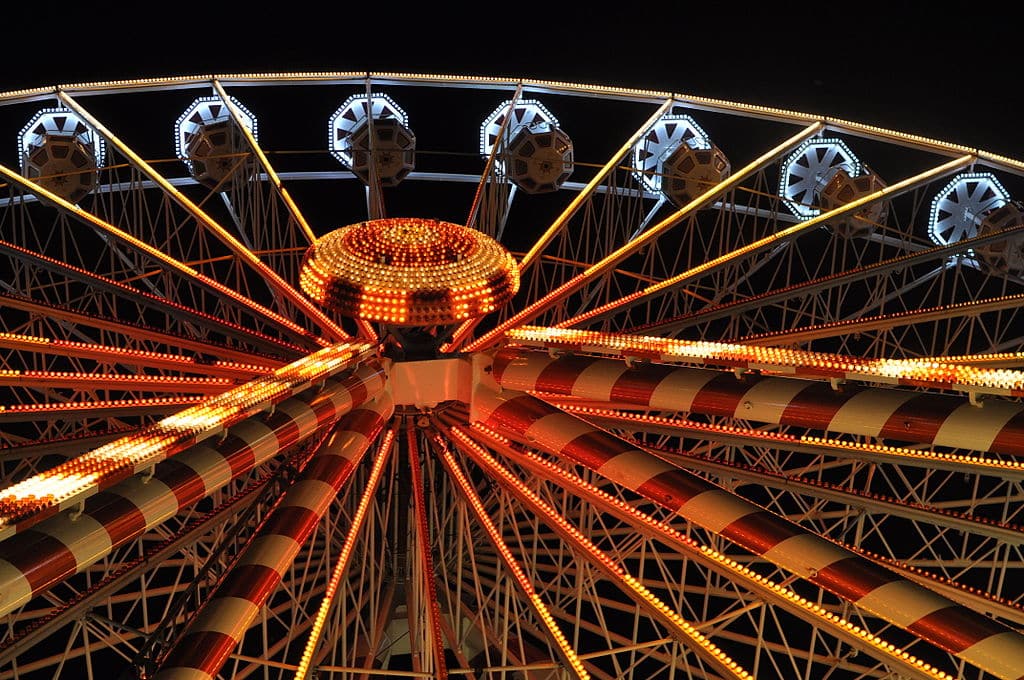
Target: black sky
x,y
950,73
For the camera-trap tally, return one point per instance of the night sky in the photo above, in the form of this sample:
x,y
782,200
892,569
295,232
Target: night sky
x,y
902,65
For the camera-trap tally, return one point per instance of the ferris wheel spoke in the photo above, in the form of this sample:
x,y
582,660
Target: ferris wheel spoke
x,y
112,354
489,175
250,139
341,566
229,610
770,241
68,484
899,415
538,307
540,609
278,285
631,586
793,363
775,594
964,463
580,199
173,309
137,332
955,628
821,284
974,308
153,300
123,512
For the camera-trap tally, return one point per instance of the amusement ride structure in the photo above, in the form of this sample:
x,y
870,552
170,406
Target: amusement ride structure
x,y
349,375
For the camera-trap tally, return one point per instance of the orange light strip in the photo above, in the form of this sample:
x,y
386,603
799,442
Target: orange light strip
x,y
791,600
74,480
883,321
238,248
485,176
777,360
151,299
689,634
136,331
139,357
316,630
264,161
534,309
525,585
423,540
861,450
159,255
409,271
94,408
78,380
768,241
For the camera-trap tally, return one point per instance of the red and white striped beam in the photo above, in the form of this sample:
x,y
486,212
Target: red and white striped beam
x,y
230,609
720,563
745,436
341,565
976,639
901,415
58,547
795,363
69,483
684,631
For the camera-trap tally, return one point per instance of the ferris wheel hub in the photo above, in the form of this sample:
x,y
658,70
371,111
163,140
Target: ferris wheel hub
x,y
409,271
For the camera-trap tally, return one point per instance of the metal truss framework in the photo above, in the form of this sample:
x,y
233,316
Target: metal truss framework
x,y
709,440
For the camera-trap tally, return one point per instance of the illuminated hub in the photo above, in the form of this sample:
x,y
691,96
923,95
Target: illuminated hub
x,y
1007,255
208,140
843,189
669,134
809,169
61,153
358,127
688,172
538,156
409,272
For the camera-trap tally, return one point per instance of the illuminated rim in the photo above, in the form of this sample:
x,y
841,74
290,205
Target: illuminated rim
x,y
351,115
202,108
527,113
809,169
409,271
664,138
958,209
624,469
72,126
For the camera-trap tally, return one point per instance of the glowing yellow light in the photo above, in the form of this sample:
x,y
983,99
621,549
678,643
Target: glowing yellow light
x,y
409,271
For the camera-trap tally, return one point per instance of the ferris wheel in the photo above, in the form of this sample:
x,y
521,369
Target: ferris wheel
x,y
502,379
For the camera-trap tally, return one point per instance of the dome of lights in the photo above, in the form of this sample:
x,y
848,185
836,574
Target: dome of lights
x,y
409,272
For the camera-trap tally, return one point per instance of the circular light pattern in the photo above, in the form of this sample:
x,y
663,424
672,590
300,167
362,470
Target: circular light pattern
x,y
809,169
962,204
409,272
